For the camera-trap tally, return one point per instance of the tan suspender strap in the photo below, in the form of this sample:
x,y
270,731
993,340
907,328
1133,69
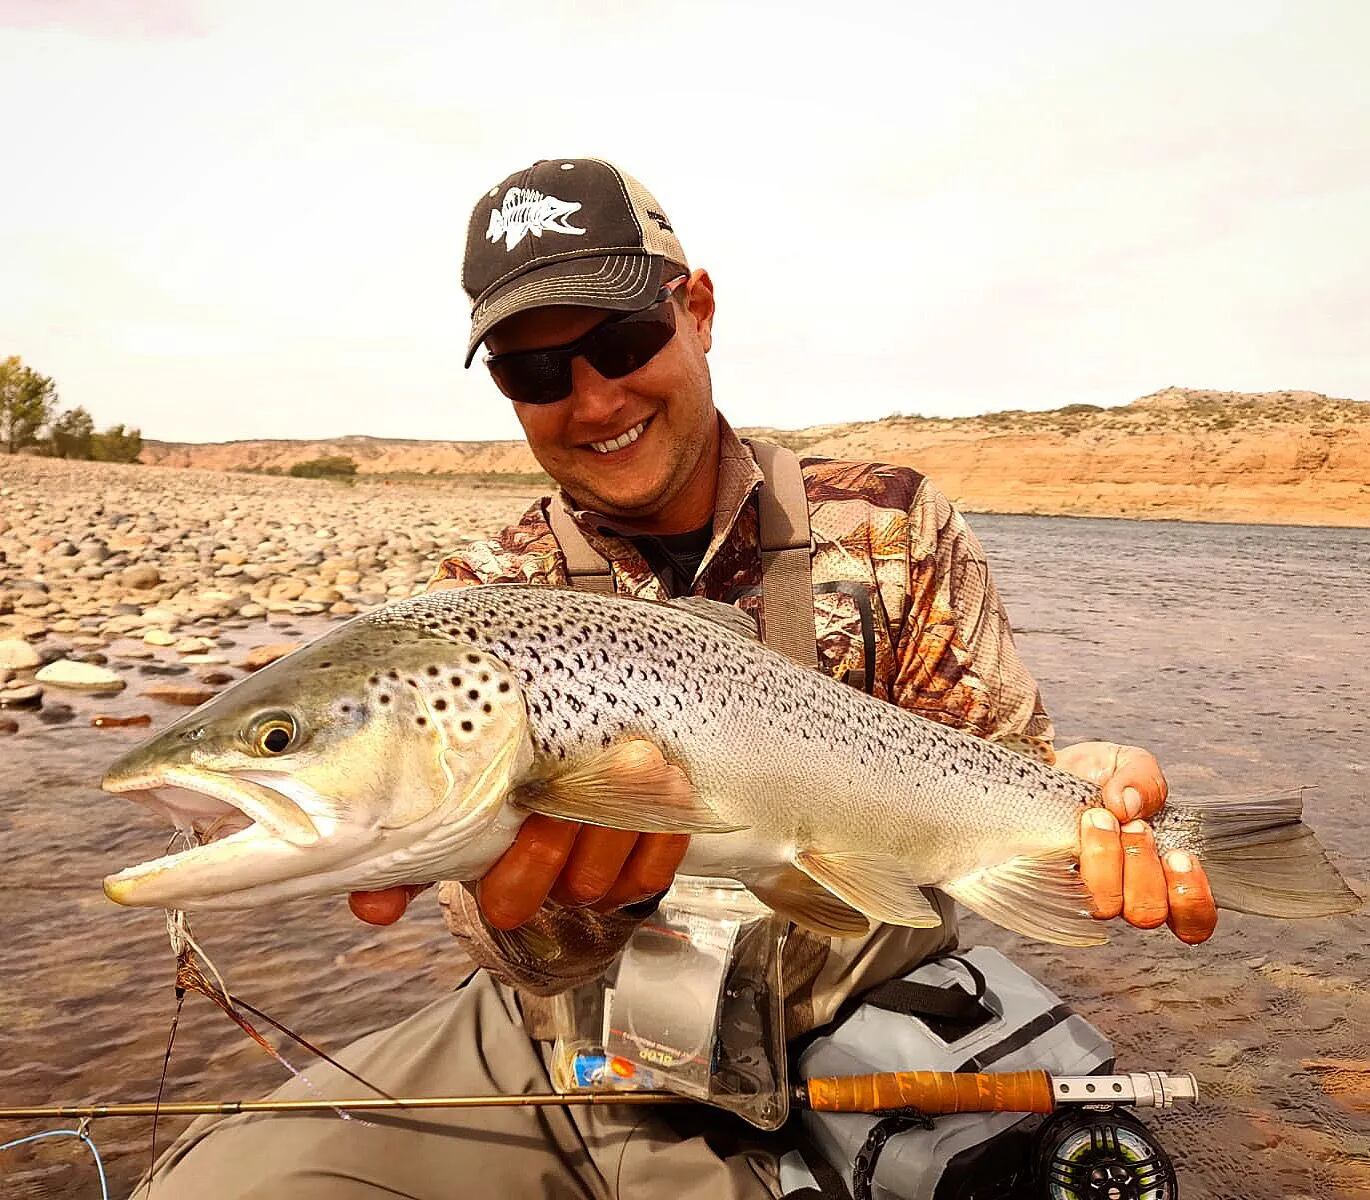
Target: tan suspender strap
x,y
588,570
786,565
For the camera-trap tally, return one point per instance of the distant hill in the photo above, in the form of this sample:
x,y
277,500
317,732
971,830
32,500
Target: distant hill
x,y
1286,457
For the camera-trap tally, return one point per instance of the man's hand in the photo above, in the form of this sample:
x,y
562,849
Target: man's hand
x,y
1119,862
579,866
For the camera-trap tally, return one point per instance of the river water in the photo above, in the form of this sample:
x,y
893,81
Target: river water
x,y
1239,654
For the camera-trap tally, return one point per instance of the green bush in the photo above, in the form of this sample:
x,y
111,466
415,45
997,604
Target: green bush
x,y
333,466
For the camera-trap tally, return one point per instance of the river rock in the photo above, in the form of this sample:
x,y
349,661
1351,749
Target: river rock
x,y
80,677
141,577
195,645
215,678
205,660
188,694
8,725
159,637
26,695
57,714
18,655
261,656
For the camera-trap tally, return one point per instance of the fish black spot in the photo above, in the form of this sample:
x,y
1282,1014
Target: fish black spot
x,y
473,659
322,665
455,681
473,694
384,698
375,679
467,726
485,677
504,685
432,671
440,705
412,683
347,708
487,708
421,721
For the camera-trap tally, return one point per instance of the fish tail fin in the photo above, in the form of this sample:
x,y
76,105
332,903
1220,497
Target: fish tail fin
x,y
1258,854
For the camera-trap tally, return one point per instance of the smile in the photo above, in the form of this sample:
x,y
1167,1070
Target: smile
x,y
624,439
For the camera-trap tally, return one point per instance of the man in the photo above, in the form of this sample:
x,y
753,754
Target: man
x,y
598,332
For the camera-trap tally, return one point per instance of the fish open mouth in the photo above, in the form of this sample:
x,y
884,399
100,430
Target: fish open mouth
x,y
230,819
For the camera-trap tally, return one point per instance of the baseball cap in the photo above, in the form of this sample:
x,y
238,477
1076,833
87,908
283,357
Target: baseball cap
x,y
564,231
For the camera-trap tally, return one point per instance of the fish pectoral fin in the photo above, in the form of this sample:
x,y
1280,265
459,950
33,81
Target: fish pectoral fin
x,y
879,885
805,902
1028,746
628,786
1042,898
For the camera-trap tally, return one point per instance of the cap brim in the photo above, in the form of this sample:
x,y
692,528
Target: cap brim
x,y
618,282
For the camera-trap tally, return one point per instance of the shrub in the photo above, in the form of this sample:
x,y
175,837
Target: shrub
x,y
333,466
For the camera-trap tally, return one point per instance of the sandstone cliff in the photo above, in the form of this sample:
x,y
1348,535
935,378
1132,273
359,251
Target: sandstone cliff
x,y
1279,457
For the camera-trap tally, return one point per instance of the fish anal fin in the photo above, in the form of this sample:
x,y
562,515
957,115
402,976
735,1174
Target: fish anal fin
x,y
878,885
627,786
1039,897
800,899
1030,747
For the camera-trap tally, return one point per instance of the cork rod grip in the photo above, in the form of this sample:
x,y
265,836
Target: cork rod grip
x,y
934,1092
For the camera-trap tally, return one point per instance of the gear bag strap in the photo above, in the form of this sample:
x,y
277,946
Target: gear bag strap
x,y
587,569
786,550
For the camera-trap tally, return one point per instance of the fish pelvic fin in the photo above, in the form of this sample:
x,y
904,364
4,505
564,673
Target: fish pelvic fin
x,y
1040,897
800,899
628,786
1258,854
879,885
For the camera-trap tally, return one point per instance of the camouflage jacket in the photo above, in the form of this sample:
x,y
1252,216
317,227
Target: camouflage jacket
x,y
903,606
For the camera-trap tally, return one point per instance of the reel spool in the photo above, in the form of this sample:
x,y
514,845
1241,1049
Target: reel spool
x,y
1093,1154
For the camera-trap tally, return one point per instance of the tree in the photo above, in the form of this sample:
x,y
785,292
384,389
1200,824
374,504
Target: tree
x,y
116,444
27,402
72,434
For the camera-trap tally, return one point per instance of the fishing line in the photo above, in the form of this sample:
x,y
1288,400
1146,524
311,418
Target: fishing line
x,y
76,1133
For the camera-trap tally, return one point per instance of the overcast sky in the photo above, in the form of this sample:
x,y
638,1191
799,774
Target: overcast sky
x,y
244,218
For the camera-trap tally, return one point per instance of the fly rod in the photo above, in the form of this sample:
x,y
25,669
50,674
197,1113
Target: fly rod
x,y
935,1093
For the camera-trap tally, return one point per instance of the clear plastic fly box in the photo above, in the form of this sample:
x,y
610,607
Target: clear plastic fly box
x,y
692,1006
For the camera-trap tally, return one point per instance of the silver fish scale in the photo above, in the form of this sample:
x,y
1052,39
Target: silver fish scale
x,y
789,752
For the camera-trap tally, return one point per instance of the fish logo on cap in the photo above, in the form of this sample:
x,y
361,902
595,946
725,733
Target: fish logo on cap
x,y
525,211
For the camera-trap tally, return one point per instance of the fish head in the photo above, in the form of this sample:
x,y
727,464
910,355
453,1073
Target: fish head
x,y
365,759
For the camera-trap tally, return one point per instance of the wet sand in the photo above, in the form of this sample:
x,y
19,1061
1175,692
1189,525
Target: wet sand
x,y
1236,653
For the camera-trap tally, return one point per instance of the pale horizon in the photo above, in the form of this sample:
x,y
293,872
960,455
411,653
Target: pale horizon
x,y
241,221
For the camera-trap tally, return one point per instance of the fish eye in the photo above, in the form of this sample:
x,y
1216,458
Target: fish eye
x,y
274,735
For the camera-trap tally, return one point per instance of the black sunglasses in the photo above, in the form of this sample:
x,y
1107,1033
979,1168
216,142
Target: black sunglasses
x,y
617,346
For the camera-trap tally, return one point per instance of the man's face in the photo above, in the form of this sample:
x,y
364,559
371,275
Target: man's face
x,y
668,401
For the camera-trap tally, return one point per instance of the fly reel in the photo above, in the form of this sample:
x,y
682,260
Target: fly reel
x,y
1101,1154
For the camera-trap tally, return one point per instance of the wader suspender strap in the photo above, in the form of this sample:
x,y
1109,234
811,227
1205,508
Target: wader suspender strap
x,y
786,570
786,565
588,571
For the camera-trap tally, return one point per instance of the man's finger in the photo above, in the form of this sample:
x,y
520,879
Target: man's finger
x,y
1136,788
1145,896
650,869
515,887
385,906
1101,861
1193,915
594,864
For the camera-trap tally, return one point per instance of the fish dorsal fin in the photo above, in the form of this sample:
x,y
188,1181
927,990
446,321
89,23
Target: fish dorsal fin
x,y
1041,898
880,886
726,615
627,786
805,902
1027,745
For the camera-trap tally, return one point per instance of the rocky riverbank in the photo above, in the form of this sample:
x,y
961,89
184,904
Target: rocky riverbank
x,y
113,572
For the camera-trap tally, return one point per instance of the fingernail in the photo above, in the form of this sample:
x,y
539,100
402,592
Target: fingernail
x,y
1178,860
1136,827
1132,803
1101,818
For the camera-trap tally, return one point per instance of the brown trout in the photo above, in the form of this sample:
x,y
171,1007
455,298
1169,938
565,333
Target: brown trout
x,y
409,744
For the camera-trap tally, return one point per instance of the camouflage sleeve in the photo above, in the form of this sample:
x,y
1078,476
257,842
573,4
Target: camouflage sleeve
x,y
558,948
955,658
